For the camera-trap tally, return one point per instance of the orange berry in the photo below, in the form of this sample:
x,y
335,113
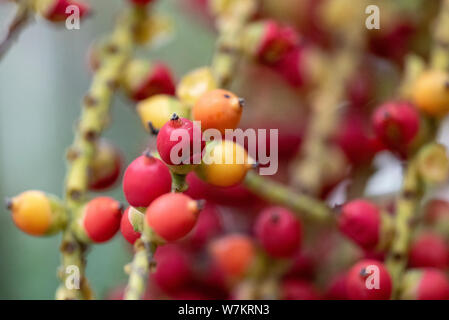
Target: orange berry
x,y
218,109
32,212
233,254
431,93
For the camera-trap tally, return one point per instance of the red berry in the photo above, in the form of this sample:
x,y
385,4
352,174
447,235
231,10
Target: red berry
x,y
184,138
429,250
365,283
158,81
105,167
296,289
101,219
145,179
173,267
207,226
278,231
55,10
360,220
172,215
437,210
336,289
126,227
291,68
396,123
425,284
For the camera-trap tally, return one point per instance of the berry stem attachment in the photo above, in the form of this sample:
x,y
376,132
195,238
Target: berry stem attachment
x,y
19,20
179,183
303,205
140,267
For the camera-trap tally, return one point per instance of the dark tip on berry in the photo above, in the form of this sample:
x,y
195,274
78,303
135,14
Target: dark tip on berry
x,y
147,153
200,204
227,96
363,273
255,165
121,207
241,102
8,203
337,208
152,129
274,217
174,117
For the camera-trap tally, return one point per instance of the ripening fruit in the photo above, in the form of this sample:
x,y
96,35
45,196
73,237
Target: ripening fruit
x,y
37,213
429,250
126,227
145,179
105,167
233,254
292,67
361,281
297,289
172,215
225,164
143,79
267,41
173,267
431,93
55,10
101,217
196,83
158,109
360,220
180,142
336,289
218,109
424,284
278,231
396,123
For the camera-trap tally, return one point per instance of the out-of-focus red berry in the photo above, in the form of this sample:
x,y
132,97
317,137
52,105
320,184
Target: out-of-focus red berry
x,y
368,280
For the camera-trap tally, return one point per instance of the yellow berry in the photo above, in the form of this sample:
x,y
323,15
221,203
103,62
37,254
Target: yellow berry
x,y
431,93
193,85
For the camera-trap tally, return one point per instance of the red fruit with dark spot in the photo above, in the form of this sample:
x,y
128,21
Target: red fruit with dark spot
x,y
396,123
173,267
361,281
184,138
145,179
101,219
278,231
126,227
429,250
172,216
296,289
360,220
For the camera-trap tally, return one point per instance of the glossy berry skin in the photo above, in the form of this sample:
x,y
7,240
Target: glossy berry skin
x,y
225,164
101,219
126,227
233,254
105,167
182,137
360,220
31,212
218,109
297,289
173,267
425,284
358,276
172,216
278,231
336,289
395,123
145,179
429,250
431,93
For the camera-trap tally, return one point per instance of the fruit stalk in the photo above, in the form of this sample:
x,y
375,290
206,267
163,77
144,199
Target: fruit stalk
x,y
228,46
304,206
308,169
18,22
95,111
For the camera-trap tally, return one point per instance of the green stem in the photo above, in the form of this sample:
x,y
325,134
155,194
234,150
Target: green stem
x,y
303,205
18,22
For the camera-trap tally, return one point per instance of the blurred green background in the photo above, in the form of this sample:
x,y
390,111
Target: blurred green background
x,y
42,80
